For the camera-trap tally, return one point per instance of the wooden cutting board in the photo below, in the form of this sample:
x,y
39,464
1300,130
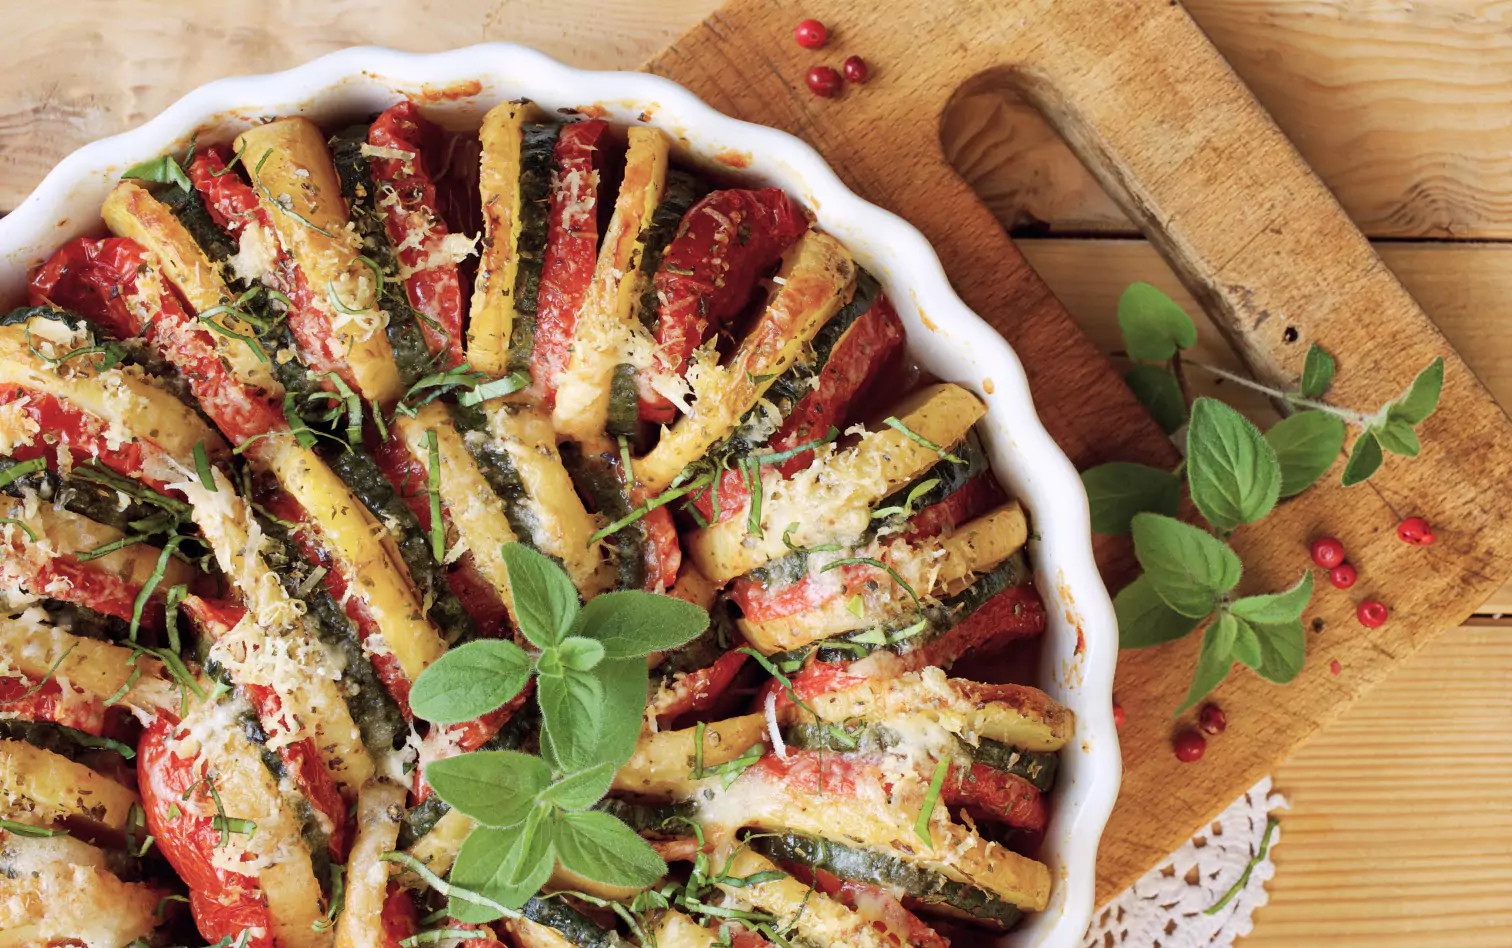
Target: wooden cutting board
x,y
1172,134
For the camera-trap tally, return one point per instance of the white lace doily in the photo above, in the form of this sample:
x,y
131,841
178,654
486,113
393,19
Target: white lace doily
x,y
1168,908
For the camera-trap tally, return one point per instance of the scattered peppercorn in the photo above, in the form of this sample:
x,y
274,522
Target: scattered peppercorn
x,y
1327,552
1343,576
1211,719
811,34
1371,613
855,69
1415,530
1118,715
1335,667
824,81
1189,746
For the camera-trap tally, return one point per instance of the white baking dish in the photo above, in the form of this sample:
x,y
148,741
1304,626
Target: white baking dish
x,y
954,344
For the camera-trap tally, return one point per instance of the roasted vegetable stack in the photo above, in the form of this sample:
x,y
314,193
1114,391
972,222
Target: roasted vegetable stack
x,y
263,448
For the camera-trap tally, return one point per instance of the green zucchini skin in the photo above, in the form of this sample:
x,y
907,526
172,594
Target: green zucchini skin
x,y
665,821
518,732
864,738
190,210
597,478
537,149
950,475
939,617
623,420
569,923
361,474
497,468
879,869
95,501
374,711
682,191
64,741
87,623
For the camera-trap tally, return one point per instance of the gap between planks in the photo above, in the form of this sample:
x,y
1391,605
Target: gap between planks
x,y
1466,288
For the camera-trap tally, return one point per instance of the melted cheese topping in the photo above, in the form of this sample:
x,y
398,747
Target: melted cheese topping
x,y
42,788
59,890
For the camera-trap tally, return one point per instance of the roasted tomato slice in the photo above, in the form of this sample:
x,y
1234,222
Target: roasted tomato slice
x,y
726,242
571,248
87,437
413,219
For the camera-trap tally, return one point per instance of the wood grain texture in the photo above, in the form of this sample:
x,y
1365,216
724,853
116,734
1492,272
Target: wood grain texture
x,y
1465,288
1188,154
1400,107
1400,836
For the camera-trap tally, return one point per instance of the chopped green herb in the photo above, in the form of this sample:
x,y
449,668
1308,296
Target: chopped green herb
x,y
17,471
30,533
893,422
44,680
498,388
202,467
921,826
433,488
878,564
29,831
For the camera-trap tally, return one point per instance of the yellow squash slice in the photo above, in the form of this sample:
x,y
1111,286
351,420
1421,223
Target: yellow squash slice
x,y
41,788
816,278
817,919
491,320
664,762
379,809
60,890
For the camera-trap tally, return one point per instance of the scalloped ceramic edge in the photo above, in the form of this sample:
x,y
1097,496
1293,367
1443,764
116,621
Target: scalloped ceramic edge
x,y
952,342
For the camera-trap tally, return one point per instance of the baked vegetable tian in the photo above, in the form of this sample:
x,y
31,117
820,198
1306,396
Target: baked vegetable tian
x,y
503,536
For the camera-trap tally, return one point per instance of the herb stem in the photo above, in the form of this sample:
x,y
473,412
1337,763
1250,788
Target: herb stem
x,y
1290,398
1270,827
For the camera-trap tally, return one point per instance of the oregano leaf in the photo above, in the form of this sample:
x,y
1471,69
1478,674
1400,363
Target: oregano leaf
x,y
1364,459
1232,470
1283,650
631,623
488,862
1398,437
493,787
1144,619
1160,394
1246,643
1277,607
579,791
1215,660
600,847
469,681
1188,568
1153,326
546,602
1317,371
580,654
1118,490
163,169
1306,445
625,682
572,711
1421,397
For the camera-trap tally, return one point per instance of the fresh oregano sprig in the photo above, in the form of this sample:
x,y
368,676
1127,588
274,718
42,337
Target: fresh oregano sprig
x,y
589,666
1235,475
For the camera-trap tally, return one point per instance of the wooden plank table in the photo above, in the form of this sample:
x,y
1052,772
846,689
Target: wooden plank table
x,y
1400,107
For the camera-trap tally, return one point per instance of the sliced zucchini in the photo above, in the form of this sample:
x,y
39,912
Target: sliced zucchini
x,y
669,821
572,926
598,475
296,183
906,634
1017,715
477,513
127,404
367,876
491,322
77,746
61,532
935,567
528,934
350,535
883,870
664,762
608,332
832,501
60,890
36,648
131,211
43,788
815,918
676,930
816,279
550,515
681,192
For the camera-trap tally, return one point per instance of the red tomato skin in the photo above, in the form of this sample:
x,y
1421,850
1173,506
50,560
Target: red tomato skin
x,y
861,356
435,291
233,205
708,272
976,497
46,703
851,894
98,280
66,579
700,689
400,918
991,795
223,903
408,478
86,436
572,236
216,618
